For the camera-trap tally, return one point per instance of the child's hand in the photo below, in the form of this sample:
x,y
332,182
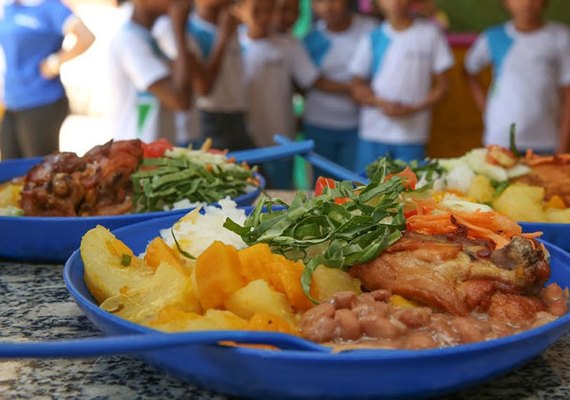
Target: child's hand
x,y
398,110
178,11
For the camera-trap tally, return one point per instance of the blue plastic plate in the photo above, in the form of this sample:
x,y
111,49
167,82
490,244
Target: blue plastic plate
x,y
297,374
53,239
557,234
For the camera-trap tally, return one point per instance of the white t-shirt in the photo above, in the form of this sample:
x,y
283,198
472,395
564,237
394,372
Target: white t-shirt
x,y
529,70
135,63
400,66
271,66
331,52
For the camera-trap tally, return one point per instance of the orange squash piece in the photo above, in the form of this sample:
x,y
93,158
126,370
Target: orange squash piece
x,y
158,251
270,323
289,274
255,261
556,202
218,275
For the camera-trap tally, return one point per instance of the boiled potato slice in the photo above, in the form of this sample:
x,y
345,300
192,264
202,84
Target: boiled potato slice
x,y
171,285
521,203
329,281
481,190
558,216
104,257
259,298
158,251
171,319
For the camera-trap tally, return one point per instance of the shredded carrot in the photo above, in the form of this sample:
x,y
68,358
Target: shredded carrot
x,y
532,159
533,235
488,225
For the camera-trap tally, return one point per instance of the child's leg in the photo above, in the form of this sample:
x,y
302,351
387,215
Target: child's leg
x,y
339,146
409,152
368,152
279,174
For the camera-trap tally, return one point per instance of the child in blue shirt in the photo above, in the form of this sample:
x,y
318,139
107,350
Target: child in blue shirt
x,y
331,115
399,73
531,79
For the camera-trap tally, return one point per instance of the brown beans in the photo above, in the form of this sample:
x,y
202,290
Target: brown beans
x,y
379,327
370,318
348,325
343,300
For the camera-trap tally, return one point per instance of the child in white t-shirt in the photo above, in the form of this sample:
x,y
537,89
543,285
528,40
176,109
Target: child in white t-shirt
x,y
400,72
145,87
271,65
331,114
531,79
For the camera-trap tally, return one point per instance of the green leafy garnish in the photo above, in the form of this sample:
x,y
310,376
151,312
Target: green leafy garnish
x,y
161,182
126,260
429,170
512,139
499,187
180,249
320,231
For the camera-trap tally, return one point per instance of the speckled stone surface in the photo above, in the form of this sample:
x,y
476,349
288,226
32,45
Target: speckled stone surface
x,y
34,305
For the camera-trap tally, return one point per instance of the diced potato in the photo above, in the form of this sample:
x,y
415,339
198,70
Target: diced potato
x,y
329,281
271,323
10,193
522,203
103,256
481,190
158,251
259,298
558,216
171,319
171,285
218,275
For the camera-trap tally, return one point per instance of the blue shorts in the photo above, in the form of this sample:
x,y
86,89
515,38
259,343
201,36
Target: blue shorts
x,y
370,151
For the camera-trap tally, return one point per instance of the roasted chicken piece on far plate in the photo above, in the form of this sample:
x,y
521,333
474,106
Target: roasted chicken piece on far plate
x,y
551,173
459,275
96,184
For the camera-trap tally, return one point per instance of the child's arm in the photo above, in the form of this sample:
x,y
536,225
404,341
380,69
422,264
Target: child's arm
x,y
335,87
477,91
362,93
174,91
211,67
565,124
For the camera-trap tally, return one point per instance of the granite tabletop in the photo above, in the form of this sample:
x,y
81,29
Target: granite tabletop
x,y
35,305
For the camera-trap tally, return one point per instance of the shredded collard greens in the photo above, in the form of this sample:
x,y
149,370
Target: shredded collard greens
x,y
319,230
428,170
161,182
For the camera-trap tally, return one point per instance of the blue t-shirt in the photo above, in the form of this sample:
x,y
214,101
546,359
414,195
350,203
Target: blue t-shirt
x,y
29,34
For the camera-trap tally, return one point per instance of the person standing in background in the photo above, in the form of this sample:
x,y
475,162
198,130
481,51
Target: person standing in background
x,y
221,90
531,79
285,16
272,64
146,86
331,115
399,73
31,36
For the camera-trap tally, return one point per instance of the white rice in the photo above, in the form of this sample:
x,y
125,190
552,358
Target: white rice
x,y
195,233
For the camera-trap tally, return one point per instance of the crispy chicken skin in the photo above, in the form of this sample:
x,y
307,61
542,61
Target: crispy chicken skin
x,y
96,184
458,275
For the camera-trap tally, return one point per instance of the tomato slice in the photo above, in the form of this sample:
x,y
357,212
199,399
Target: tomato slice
x,y
322,183
156,149
408,177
